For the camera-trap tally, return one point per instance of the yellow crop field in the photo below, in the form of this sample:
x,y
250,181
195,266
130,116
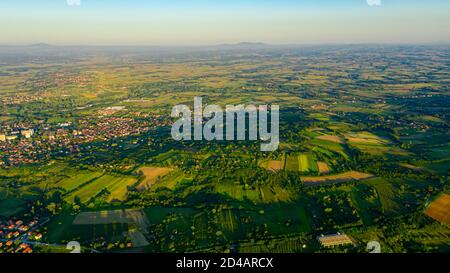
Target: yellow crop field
x,y
151,176
439,210
336,178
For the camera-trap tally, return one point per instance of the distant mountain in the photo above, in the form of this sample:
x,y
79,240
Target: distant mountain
x,y
40,45
243,45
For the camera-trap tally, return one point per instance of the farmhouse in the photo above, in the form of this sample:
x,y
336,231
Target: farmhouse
x,y
334,240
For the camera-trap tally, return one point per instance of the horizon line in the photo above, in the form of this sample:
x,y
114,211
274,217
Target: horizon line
x,y
226,44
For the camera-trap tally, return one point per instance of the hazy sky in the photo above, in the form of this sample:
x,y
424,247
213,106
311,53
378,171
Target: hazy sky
x,y
198,22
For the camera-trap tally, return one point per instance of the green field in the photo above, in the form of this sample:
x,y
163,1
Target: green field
x,y
385,193
301,163
156,215
237,191
292,163
116,186
76,181
273,194
307,163
441,167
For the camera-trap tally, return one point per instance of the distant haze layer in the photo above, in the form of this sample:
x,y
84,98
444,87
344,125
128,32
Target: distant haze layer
x,y
201,22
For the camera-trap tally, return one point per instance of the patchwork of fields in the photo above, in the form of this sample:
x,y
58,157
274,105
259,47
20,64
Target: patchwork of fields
x,y
304,163
364,147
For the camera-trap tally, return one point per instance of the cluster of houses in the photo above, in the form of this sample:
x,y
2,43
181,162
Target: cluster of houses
x,y
57,79
65,138
14,236
20,99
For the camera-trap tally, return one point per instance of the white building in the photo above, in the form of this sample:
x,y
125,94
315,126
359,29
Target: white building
x,y
11,137
27,133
